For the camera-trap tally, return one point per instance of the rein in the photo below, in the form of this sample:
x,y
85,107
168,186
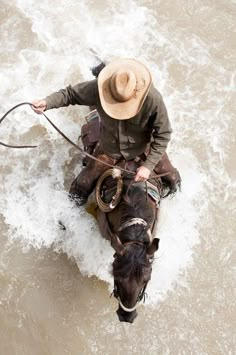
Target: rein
x,y
152,176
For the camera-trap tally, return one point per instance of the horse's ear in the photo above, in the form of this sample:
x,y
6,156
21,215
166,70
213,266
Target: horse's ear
x,y
152,248
117,245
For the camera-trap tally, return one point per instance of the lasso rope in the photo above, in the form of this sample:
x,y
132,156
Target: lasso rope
x,y
68,140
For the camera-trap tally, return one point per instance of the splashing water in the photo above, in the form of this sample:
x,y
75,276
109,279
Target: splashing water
x,y
48,49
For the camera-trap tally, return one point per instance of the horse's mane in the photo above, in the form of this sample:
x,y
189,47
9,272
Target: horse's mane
x,y
132,263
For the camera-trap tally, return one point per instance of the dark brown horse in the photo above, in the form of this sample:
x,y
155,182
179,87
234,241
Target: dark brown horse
x,y
130,228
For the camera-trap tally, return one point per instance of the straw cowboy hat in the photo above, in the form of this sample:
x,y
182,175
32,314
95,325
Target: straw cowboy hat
x,y
123,86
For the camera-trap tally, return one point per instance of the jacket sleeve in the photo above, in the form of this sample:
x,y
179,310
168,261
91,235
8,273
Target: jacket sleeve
x,y
81,94
160,136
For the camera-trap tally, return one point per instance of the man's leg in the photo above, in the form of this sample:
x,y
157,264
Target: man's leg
x,y
83,185
173,179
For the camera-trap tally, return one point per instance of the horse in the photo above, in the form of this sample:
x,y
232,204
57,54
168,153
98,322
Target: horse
x,y
130,224
130,228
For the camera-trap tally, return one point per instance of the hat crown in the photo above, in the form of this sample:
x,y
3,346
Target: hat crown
x,y
123,85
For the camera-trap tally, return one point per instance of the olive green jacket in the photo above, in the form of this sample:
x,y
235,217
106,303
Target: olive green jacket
x,y
128,138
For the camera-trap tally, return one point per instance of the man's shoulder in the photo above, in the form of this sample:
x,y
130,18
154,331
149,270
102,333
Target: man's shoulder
x,y
154,94
88,89
91,84
153,99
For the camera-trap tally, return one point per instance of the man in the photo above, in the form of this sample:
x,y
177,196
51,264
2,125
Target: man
x,y
133,117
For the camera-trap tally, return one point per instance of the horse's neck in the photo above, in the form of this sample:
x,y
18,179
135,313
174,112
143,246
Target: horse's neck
x,y
137,204
132,205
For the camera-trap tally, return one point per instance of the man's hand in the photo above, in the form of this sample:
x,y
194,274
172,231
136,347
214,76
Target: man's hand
x,y
39,106
142,174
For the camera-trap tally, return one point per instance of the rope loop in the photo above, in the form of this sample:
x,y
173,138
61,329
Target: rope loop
x,y
115,198
69,141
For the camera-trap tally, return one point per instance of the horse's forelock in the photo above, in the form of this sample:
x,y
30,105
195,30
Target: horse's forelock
x,y
132,263
135,232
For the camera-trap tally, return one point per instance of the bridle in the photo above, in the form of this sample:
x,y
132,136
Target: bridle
x,y
142,295
142,292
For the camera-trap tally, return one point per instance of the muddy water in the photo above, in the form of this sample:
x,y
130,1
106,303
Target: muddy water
x,y
55,285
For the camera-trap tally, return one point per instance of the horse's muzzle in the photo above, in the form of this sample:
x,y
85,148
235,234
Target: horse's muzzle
x,y
126,316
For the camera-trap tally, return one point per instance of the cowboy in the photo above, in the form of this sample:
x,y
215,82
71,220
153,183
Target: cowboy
x,y
133,120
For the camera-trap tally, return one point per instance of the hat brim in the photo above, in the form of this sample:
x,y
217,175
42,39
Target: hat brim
x,y
130,108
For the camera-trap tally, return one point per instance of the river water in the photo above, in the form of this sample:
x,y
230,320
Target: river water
x,y
54,284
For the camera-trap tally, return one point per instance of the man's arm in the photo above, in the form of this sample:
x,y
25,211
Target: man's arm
x,y
161,135
81,94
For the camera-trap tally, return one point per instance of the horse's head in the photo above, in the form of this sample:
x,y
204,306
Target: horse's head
x,y
132,269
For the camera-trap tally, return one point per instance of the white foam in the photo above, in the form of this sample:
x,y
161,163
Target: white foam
x,y
178,228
